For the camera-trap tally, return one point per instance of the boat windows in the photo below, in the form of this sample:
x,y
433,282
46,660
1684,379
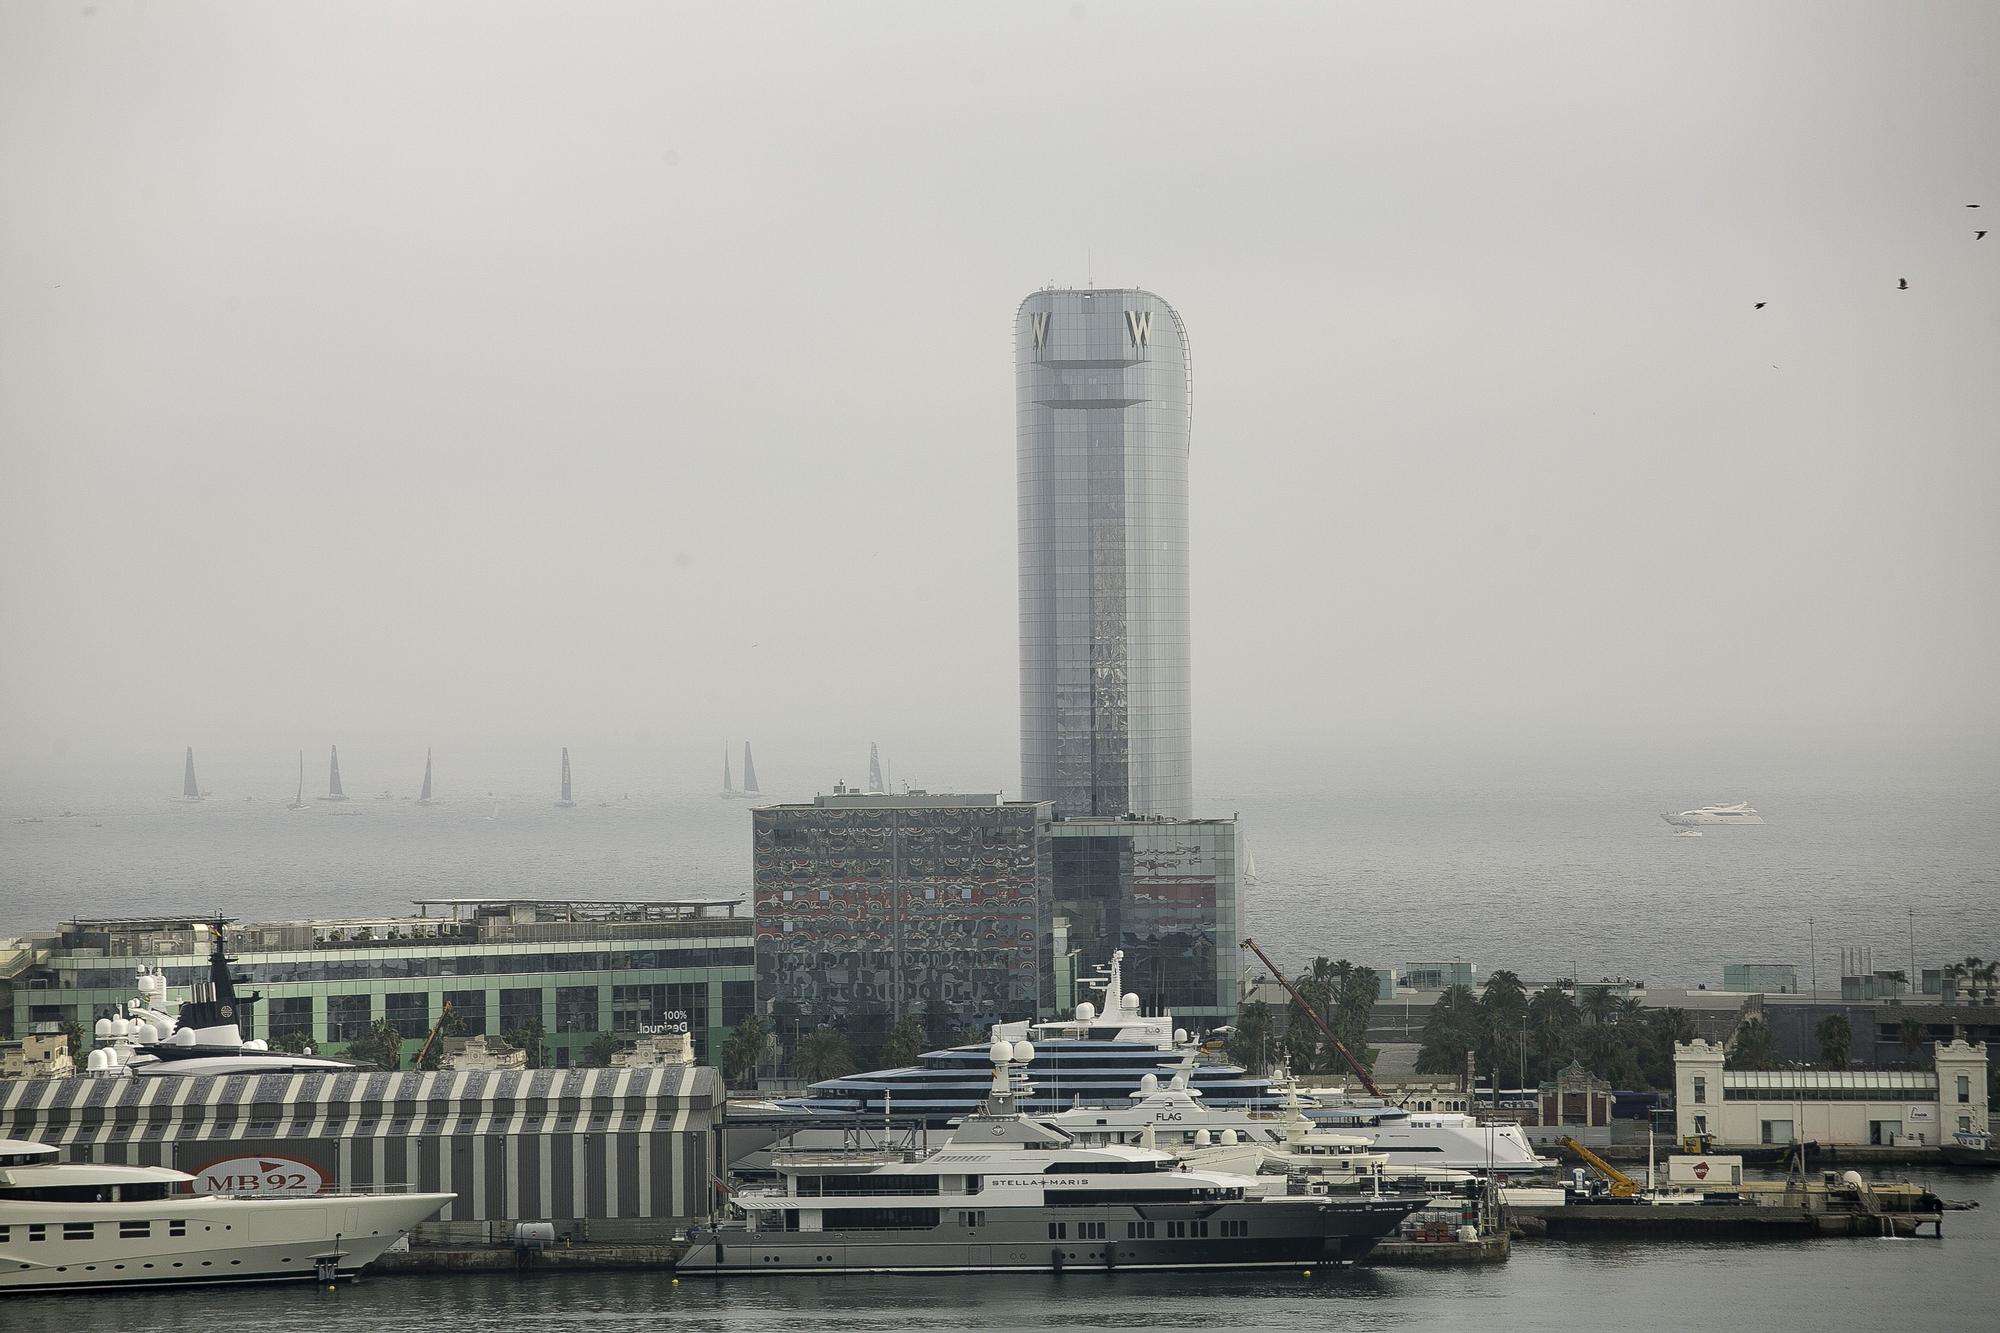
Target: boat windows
x,y
849,1186
1233,1229
879,1219
135,1230
1144,1230
972,1217
1057,1231
79,1230
177,1227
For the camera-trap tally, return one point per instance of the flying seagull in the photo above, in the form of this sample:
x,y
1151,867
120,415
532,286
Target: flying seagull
x,y
1902,284
1760,305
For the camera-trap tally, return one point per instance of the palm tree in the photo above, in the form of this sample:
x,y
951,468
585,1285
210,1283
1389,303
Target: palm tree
x,y
1836,1039
1673,1025
597,1054
1754,1046
1250,1039
904,1045
1629,1012
744,1051
1911,1034
822,1054
1599,1004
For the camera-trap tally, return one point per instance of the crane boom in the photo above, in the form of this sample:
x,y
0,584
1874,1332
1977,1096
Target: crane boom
x,y
1360,1070
425,1049
1622,1185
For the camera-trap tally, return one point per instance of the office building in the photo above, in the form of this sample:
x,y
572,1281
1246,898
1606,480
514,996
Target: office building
x,y
871,908
1102,385
1164,891
580,968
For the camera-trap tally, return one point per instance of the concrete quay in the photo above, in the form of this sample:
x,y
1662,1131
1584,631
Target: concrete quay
x,y
512,1259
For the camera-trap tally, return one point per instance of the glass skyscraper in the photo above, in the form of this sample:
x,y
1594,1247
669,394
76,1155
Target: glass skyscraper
x,y
1102,384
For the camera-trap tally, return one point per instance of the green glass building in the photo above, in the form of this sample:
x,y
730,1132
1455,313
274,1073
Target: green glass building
x,y
579,968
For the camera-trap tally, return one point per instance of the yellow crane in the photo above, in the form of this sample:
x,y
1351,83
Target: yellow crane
x,y
1622,1185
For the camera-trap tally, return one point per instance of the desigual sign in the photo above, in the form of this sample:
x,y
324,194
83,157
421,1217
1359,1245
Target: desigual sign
x,y
258,1175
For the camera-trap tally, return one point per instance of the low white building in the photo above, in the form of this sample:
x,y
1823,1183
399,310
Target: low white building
x,y
1830,1106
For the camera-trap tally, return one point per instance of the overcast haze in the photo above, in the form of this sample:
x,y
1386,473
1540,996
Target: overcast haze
x,y
548,372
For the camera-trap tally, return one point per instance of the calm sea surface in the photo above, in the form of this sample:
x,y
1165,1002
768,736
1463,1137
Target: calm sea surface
x,y
1826,1286
1533,870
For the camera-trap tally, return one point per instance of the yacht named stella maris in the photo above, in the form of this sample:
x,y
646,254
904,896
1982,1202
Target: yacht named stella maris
x,y
88,1226
1008,1192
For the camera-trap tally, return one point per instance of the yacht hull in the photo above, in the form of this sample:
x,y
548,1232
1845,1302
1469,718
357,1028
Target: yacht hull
x,y
1283,1234
222,1240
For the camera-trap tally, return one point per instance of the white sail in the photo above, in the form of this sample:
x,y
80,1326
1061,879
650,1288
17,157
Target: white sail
x,y
424,796
566,799
190,789
749,772
874,768
299,801
728,787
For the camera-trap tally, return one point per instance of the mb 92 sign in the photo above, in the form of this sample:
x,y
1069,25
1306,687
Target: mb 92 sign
x,y
258,1175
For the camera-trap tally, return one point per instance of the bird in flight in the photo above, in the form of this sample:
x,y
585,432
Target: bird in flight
x,y
1760,305
1902,284
1978,235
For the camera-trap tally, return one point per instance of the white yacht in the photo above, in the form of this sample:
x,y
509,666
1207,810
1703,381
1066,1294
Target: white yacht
x,y
1173,1117
1005,1191
206,1037
1095,1058
1739,813
1450,1140
90,1226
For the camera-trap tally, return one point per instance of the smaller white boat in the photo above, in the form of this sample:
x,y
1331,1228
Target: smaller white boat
x,y
1687,833
1739,813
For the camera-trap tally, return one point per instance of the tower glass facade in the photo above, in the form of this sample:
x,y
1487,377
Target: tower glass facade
x,y
1102,382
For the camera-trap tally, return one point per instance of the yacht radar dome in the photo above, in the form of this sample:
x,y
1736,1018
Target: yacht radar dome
x,y
1024,1052
1149,1083
999,1052
1085,1012
1132,1001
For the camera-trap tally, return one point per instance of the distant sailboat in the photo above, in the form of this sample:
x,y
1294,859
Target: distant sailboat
x,y
567,801
874,768
299,801
749,773
424,796
190,789
728,792
333,791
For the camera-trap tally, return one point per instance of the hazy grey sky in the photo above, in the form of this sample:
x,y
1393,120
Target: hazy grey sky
x,y
645,370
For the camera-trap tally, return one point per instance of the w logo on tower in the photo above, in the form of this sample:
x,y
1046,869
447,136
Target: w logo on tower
x,y
1038,327
1139,323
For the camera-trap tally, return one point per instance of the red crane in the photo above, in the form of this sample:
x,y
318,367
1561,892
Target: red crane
x,y
1360,1070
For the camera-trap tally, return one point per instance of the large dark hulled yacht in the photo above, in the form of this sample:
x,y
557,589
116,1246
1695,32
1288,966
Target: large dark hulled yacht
x,y
1005,1191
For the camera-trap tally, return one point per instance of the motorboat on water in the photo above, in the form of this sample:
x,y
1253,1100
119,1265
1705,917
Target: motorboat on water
x,y
204,1037
1098,1057
1448,1140
1007,1191
1174,1117
1687,833
1739,813
90,1226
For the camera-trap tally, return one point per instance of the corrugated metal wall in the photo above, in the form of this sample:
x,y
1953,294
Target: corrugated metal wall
x,y
612,1153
